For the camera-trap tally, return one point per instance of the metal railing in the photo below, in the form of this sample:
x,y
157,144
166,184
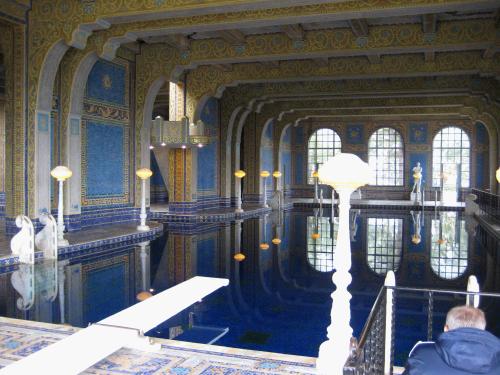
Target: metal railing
x,y
374,353
488,203
472,298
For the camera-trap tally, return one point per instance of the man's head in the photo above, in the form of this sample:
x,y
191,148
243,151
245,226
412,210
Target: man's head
x,y
465,316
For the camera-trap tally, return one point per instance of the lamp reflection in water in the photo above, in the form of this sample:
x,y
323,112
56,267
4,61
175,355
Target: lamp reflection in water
x,y
61,174
264,245
143,174
238,256
278,228
345,173
145,292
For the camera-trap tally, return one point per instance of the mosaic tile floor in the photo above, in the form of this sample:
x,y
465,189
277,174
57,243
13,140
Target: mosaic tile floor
x,y
19,338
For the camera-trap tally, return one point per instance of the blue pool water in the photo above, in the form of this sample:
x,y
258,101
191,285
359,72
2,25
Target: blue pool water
x,y
278,298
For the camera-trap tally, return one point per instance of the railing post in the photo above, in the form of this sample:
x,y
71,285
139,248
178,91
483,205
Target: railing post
x,y
390,283
430,312
472,286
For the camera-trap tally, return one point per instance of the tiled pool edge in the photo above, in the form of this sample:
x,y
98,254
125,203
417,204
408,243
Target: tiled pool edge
x,y
157,229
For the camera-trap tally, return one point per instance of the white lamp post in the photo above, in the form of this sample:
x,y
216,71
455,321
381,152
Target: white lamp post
x,y
277,175
239,174
265,175
143,174
315,176
345,173
61,174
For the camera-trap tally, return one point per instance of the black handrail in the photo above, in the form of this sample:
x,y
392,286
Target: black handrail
x,y
371,318
488,203
444,291
368,356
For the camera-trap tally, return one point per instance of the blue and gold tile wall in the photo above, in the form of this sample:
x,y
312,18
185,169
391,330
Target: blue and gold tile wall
x,y
418,133
208,156
355,134
482,156
158,188
266,154
107,83
286,157
298,142
106,134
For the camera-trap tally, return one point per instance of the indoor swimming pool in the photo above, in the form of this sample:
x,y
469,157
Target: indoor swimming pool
x,y
279,267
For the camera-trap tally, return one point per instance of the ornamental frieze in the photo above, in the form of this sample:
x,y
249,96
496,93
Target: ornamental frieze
x,y
107,112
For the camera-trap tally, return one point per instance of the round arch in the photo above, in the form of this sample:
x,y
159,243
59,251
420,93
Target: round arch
x,y
391,154
73,137
454,155
328,141
42,152
145,133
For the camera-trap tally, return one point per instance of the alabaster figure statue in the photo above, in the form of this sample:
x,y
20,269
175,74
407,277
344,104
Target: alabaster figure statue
x,y
417,178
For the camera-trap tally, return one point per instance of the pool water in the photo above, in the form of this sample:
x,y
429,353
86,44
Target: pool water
x,y
278,298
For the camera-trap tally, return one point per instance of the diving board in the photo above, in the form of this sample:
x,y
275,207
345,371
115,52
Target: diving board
x,y
88,346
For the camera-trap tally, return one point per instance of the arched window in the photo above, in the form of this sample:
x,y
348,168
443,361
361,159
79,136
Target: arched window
x,y
323,145
321,238
451,149
386,157
385,244
449,248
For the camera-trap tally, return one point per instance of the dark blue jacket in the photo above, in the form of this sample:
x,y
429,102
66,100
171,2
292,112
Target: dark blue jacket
x,y
456,352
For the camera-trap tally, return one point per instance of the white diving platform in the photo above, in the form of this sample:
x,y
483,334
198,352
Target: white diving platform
x,y
83,349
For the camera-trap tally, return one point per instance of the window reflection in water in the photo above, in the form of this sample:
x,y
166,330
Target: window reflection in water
x,y
384,244
449,246
320,249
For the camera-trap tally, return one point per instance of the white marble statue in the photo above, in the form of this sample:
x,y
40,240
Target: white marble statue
x,y
46,239
417,178
23,243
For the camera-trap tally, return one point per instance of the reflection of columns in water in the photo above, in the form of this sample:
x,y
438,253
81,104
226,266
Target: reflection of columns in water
x,y
237,236
145,265
61,277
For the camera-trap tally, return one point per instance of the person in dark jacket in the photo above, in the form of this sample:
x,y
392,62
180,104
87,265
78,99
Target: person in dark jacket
x,y
463,348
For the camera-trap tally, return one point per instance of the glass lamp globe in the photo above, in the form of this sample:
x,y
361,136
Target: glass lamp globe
x,y
264,174
61,173
345,171
144,173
